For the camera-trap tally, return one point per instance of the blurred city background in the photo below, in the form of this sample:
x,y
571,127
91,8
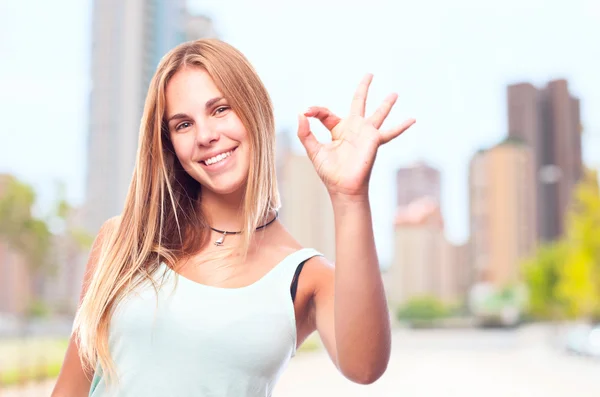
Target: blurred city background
x,y
486,212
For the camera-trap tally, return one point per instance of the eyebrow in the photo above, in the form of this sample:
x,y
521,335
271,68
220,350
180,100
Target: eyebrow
x,y
208,105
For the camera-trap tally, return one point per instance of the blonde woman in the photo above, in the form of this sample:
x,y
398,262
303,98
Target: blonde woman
x,y
197,289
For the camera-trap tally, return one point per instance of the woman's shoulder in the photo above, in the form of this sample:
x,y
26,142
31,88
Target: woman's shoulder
x,y
282,244
109,226
316,268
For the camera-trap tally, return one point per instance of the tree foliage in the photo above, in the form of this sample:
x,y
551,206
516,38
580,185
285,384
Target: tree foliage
x,y
22,231
579,281
34,238
542,274
563,278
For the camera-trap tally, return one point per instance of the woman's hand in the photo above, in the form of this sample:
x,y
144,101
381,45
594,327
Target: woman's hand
x,y
345,163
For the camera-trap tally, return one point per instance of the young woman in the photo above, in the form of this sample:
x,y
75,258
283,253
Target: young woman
x,y
197,289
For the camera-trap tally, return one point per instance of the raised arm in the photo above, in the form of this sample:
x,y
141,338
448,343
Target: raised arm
x,y
351,311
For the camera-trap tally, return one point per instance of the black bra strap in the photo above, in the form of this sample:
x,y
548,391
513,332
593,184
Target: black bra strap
x,y
294,286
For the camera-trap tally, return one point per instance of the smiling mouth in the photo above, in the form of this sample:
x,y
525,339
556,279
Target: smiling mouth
x,y
218,158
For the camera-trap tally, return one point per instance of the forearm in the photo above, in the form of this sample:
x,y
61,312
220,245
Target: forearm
x,y
362,325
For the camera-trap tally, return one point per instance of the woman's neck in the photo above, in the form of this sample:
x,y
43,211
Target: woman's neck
x,y
223,212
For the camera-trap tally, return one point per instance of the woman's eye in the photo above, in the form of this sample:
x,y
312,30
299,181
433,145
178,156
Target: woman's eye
x,y
182,126
221,109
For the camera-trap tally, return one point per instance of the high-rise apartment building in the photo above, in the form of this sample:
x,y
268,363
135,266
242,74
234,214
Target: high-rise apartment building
x,y
418,251
417,181
455,273
548,120
502,211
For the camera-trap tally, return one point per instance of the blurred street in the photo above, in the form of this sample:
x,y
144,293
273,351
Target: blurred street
x,y
460,363
490,363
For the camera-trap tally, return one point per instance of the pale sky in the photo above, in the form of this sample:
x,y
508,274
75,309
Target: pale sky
x,y
450,62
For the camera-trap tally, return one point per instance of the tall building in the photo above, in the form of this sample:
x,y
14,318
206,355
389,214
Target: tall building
x,y
548,120
455,272
502,208
417,181
424,263
129,39
418,251
306,209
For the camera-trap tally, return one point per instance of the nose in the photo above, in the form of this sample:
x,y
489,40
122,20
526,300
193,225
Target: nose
x,y
205,135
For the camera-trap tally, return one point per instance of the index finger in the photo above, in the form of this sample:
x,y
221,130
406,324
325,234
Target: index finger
x,y
360,96
325,115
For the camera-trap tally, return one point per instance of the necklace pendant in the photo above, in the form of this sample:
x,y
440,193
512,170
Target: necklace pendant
x,y
220,241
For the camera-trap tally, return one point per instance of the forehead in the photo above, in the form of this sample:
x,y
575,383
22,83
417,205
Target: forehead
x,y
189,88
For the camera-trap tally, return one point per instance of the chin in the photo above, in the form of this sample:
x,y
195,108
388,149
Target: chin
x,y
227,190
224,188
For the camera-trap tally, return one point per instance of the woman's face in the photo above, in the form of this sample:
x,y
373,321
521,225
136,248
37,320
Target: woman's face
x,y
210,140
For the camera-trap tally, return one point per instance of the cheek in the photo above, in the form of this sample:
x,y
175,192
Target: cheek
x,y
235,129
183,148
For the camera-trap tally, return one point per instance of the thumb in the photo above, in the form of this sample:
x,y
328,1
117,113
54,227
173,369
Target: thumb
x,y
306,136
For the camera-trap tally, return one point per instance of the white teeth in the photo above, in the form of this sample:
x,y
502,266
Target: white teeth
x,y
218,158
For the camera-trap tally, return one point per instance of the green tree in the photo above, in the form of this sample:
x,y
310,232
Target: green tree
x,y
563,278
542,273
23,232
31,236
579,281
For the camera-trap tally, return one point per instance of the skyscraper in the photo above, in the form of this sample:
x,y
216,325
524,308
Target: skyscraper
x,y
418,251
548,120
417,181
425,262
129,39
502,208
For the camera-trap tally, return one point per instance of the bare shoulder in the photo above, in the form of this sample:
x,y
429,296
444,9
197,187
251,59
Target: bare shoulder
x,y
317,270
106,230
282,243
113,222
318,274
279,243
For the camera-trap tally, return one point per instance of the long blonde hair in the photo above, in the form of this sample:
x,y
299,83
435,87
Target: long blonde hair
x,y
161,220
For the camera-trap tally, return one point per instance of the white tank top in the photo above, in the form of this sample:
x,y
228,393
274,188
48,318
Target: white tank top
x,y
203,341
